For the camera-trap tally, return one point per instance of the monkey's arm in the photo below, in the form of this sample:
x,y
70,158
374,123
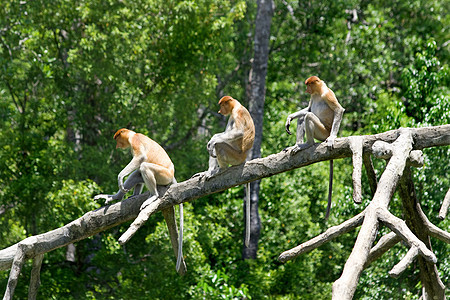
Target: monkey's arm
x,y
227,137
338,113
133,165
299,114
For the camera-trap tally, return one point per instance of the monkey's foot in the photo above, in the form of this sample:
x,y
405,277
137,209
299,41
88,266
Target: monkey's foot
x,y
207,174
148,202
287,149
210,174
198,174
108,198
300,147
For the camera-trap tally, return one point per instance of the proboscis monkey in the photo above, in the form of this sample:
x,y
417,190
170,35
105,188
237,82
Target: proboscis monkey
x,y
232,146
150,164
321,120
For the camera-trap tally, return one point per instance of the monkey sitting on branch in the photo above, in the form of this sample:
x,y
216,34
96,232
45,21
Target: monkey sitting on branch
x,y
151,165
320,120
232,146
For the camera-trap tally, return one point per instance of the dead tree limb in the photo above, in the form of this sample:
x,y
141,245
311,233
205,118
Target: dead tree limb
x,y
385,243
112,215
445,205
405,262
400,155
356,145
370,171
35,280
345,286
423,229
330,234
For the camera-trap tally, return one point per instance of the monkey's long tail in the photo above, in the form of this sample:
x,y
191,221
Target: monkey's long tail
x,y
180,236
330,190
247,215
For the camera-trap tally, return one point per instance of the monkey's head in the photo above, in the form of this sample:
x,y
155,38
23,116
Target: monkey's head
x,y
313,85
121,136
226,105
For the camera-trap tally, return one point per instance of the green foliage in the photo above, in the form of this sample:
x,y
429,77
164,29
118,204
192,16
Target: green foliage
x,y
420,81
73,72
215,286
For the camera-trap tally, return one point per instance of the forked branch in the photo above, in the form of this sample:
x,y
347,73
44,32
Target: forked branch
x,y
112,215
400,155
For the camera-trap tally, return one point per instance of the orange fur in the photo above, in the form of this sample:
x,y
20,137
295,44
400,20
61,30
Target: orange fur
x,y
155,168
243,122
321,93
144,146
233,145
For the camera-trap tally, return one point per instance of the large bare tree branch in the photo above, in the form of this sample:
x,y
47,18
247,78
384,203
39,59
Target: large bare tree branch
x,y
330,234
345,286
433,287
400,154
112,215
356,145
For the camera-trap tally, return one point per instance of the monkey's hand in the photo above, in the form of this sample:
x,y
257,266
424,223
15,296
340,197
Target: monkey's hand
x,y
212,148
299,147
211,173
330,141
288,123
108,198
121,187
104,196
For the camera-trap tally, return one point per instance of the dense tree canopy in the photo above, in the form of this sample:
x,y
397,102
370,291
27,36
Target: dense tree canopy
x,y
73,72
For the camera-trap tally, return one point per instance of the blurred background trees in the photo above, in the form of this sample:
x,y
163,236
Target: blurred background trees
x,y
73,72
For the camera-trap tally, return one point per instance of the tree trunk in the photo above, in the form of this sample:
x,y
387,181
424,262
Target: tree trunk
x,y
256,108
433,287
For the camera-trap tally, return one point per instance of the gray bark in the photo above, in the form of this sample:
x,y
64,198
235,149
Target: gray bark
x,y
415,232
115,214
35,280
445,206
419,224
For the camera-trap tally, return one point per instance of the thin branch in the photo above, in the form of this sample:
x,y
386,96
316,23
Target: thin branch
x,y
399,227
140,221
385,243
404,263
445,205
370,171
433,286
330,234
432,229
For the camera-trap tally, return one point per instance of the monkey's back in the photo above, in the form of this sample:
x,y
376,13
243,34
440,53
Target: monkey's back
x,y
249,129
154,152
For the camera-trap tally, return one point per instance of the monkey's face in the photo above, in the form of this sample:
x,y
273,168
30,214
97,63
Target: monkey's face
x,y
225,108
122,142
313,87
